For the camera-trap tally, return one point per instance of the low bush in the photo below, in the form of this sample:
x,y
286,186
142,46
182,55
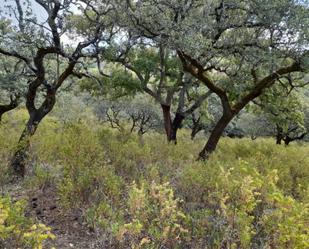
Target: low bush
x,y
17,231
249,194
155,218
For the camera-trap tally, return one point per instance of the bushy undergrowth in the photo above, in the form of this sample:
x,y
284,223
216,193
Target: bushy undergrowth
x,y
145,193
17,231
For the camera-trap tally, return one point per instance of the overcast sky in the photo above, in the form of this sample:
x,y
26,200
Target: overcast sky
x,y
37,11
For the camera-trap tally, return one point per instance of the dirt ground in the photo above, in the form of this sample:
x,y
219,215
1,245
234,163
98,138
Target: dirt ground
x,y
70,229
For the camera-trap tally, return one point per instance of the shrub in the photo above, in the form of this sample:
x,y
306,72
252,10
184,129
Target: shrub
x,y
87,179
155,218
249,194
16,230
238,207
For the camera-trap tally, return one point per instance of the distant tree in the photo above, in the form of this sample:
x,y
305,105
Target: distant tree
x,y
158,73
135,116
201,119
196,124
284,109
69,105
255,125
10,106
206,117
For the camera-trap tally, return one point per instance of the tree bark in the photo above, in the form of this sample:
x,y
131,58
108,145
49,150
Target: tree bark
x,y
279,135
166,110
278,140
176,125
171,127
215,136
287,141
18,163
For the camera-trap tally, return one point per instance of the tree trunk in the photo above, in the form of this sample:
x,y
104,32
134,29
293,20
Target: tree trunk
x,y
215,136
18,163
166,109
253,137
278,140
194,132
196,126
279,135
177,124
287,141
171,127
1,113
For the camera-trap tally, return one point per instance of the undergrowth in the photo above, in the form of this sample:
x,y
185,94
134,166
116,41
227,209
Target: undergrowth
x,y
146,193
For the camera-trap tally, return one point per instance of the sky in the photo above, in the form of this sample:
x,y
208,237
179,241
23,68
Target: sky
x,y
37,11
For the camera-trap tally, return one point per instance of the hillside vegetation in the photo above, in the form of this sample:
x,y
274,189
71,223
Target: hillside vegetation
x,y
136,191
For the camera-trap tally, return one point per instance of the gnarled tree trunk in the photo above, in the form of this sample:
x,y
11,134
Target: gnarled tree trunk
x,y
19,159
166,109
215,136
197,69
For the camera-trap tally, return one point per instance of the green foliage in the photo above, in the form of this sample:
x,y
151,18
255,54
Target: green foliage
x,y
18,231
284,109
87,179
286,221
123,83
249,194
119,84
229,40
155,217
242,208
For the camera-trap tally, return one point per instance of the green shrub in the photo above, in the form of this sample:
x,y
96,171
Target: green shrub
x,y
155,218
86,177
238,207
17,231
249,194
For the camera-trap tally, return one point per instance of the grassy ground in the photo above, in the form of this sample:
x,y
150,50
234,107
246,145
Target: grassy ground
x,y
98,188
